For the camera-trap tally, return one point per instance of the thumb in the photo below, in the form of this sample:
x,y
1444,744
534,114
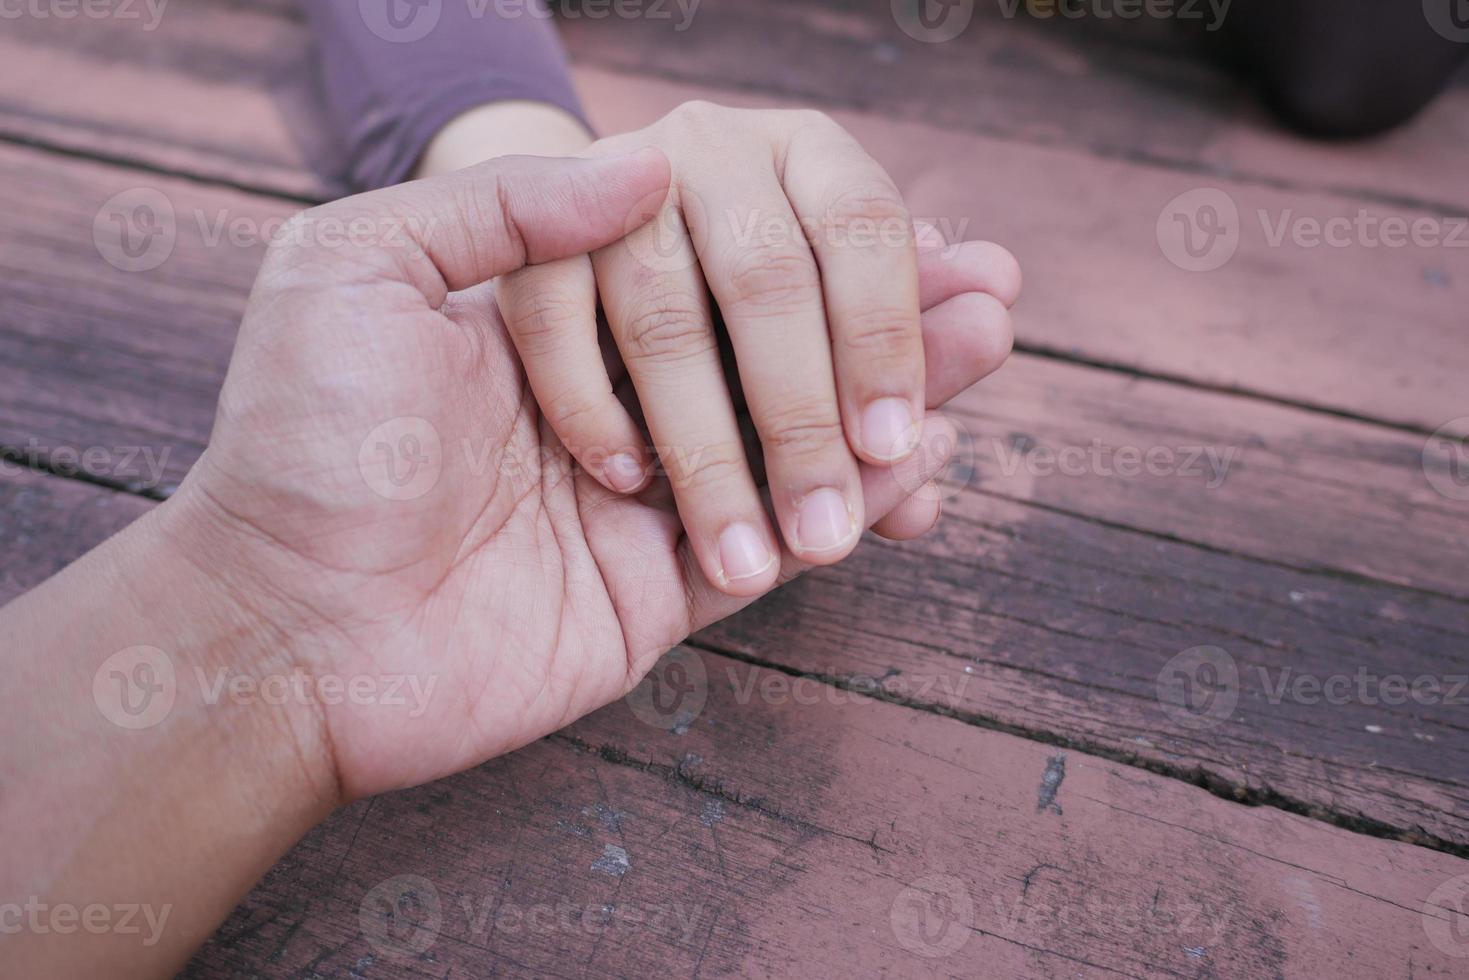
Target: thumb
x,y
470,226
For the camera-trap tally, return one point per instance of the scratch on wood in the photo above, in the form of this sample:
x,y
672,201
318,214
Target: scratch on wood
x,y
1051,783
613,861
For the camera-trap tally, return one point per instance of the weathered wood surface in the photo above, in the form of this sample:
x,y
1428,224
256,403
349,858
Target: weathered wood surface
x,y
887,841
1276,534
1066,148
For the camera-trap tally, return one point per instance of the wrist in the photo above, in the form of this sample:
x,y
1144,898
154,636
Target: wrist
x,y
129,767
501,129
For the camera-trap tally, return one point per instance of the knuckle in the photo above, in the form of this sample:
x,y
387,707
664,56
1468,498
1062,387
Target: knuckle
x,y
542,320
698,114
667,330
773,278
875,202
573,409
884,334
801,428
707,467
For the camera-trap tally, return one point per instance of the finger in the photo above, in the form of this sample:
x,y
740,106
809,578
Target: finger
x,y
769,293
863,239
658,310
945,271
913,518
884,487
464,228
964,339
550,311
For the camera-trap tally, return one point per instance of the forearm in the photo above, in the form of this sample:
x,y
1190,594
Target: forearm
x,y
391,86
140,797
502,129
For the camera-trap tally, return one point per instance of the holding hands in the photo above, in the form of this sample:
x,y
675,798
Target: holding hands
x,y
786,226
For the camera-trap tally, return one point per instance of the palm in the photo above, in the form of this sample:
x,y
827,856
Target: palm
x,y
443,538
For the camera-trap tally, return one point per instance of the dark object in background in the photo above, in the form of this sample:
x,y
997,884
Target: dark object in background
x,y
1342,68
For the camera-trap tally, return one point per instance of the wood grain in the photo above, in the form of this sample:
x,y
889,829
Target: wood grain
x,y
1066,147
1276,534
886,843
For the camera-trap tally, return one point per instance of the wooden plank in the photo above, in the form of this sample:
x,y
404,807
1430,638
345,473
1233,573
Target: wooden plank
x,y
1084,146
47,522
222,90
789,834
1063,588
1120,92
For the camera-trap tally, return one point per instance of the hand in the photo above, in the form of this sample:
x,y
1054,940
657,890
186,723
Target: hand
x,y
808,251
382,497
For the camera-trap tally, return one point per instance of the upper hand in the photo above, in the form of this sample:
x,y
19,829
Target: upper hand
x,y
809,253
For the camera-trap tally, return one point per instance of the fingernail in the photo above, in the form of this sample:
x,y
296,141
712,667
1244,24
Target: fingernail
x,y
624,472
743,553
888,431
823,522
